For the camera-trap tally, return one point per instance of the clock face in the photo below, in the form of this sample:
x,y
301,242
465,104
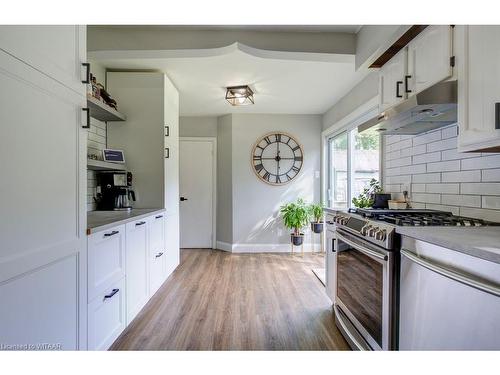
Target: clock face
x,y
277,158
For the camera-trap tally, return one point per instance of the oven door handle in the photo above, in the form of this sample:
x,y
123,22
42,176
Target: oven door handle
x,y
461,277
363,249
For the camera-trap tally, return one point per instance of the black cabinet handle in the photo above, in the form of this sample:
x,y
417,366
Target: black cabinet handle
x,y
406,84
183,199
167,152
87,111
158,217
140,223
87,72
497,115
158,255
398,95
111,233
110,295
167,131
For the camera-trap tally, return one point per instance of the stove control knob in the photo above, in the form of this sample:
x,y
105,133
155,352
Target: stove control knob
x,y
372,231
381,235
364,230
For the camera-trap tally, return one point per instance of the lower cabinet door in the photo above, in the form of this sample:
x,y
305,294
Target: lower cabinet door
x,y
106,317
157,264
137,264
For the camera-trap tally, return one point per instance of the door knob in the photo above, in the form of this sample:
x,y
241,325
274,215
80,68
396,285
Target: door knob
x,y
183,199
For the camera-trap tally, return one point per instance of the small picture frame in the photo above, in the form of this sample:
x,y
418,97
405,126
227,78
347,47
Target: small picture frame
x,y
113,156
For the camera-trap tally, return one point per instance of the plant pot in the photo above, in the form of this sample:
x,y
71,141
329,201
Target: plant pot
x,y
297,240
317,227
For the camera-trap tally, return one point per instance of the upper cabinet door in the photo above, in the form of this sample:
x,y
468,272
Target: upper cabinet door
x,y
392,76
478,55
57,51
429,58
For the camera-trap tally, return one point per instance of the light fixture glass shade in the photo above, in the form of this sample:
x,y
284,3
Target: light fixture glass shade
x,y
239,95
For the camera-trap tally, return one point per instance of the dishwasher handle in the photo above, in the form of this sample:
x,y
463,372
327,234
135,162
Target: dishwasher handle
x,y
453,274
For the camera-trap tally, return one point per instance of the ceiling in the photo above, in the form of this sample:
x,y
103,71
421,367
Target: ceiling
x,y
282,84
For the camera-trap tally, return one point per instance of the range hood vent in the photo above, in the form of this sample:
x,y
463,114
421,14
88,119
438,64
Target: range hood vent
x,y
430,109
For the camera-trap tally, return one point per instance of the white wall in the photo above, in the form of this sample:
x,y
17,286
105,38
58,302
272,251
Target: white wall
x,y
224,181
360,94
256,204
198,126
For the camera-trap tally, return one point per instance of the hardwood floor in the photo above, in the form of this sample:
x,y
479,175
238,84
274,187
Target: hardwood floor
x,y
221,301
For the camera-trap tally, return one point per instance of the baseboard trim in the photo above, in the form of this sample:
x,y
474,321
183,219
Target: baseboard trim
x,y
224,246
265,248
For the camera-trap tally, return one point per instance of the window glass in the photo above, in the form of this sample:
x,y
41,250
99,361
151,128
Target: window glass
x,y
365,159
338,172
353,162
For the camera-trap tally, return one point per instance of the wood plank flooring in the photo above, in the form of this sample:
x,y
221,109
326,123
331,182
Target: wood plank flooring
x,y
221,301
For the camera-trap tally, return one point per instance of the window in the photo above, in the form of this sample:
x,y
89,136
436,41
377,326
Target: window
x,y
353,160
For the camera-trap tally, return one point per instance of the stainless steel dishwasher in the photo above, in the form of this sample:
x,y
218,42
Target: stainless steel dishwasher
x,y
448,300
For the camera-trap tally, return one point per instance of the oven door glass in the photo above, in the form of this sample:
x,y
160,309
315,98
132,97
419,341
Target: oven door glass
x,y
360,288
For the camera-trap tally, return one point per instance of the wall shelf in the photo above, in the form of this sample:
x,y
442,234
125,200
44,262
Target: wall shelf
x,y
99,165
103,112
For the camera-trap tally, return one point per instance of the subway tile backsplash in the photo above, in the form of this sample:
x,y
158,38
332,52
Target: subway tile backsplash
x,y
439,177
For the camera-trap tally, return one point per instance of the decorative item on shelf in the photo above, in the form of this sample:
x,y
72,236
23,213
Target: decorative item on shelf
x,y
366,198
93,157
96,92
295,216
106,97
239,95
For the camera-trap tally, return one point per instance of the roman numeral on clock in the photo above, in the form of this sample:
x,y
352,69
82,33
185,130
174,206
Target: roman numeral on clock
x,y
266,176
259,167
297,158
268,141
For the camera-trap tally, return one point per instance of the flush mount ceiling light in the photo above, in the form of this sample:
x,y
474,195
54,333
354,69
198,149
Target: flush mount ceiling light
x,y
239,95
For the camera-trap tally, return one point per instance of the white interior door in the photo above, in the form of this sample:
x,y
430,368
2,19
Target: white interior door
x,y
196,191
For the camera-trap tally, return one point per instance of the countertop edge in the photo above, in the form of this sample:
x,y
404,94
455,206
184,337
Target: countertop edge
x,y
112,224
439,240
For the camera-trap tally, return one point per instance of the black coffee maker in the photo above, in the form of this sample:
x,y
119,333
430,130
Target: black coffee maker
x,y
114,191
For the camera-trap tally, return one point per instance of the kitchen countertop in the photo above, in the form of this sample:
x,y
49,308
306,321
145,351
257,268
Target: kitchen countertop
x,y
101,220
480,242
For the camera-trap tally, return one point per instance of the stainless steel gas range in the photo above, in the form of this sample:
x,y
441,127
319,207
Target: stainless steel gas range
x,y
363,261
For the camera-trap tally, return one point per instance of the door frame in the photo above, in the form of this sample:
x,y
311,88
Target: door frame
x,y
212,140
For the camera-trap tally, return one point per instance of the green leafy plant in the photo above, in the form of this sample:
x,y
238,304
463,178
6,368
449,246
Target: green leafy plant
x,y
366,198
316,212
295,215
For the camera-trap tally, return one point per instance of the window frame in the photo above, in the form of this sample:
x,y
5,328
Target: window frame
x,y
347,125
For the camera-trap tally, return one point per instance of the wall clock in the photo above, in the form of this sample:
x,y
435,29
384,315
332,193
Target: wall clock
x,y
277,158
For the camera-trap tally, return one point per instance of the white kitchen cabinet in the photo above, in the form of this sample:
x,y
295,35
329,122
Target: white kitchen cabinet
x,y
107,316
137,267
43,259
106,259
392,78
172,242
478,54
429,58
57,51
157,256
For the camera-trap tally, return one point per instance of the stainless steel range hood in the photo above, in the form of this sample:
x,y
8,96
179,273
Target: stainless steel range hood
x,y
430,109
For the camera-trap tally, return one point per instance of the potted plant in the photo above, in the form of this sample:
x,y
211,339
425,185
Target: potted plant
x,y
316,213
295,216
367,196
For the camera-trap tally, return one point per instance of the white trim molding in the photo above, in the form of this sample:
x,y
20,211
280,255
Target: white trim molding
x,y
266,248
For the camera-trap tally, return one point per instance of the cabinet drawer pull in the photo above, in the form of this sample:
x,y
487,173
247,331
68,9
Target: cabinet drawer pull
x,y
87,119
110,295
167,152
398,95
406,84
167,131
497,115
158,255
158,217
111,233
87,73
140,223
